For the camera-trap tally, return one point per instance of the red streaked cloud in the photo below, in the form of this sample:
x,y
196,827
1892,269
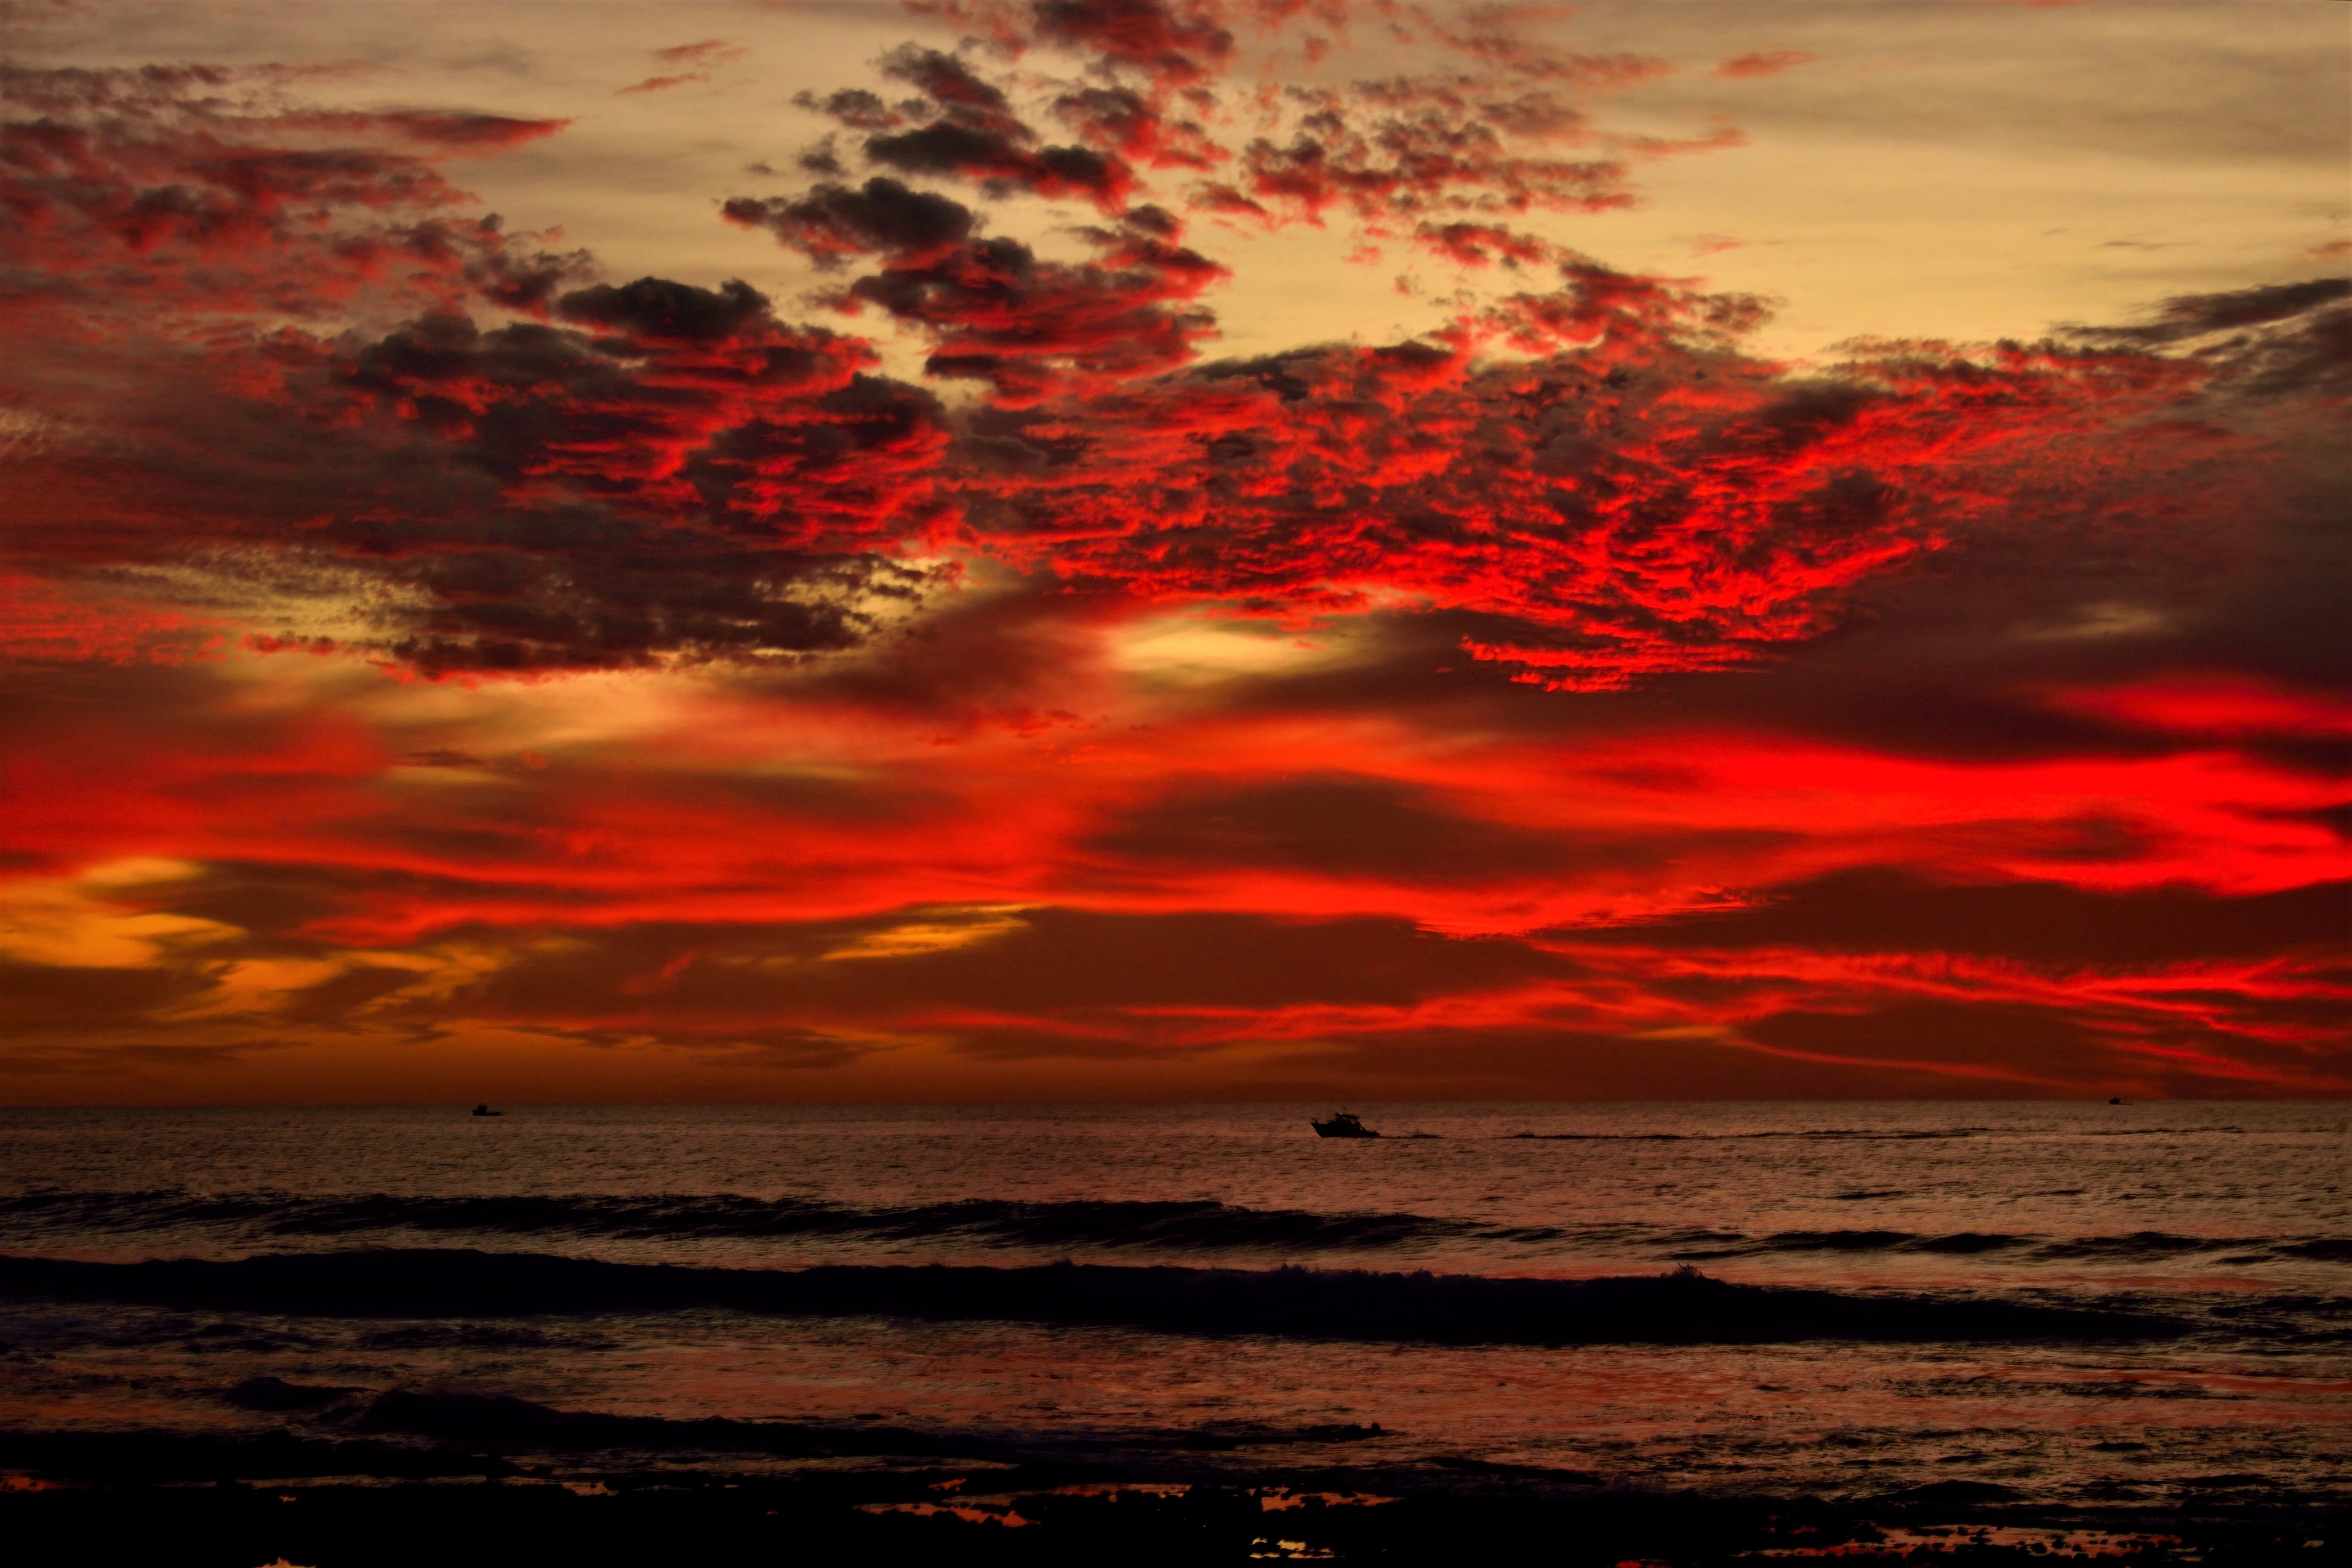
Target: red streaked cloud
x,y
1764,63
1301,820
689,63
2215,706
968,673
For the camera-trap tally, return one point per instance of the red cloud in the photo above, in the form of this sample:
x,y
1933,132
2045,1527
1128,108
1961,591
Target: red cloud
x,y
1174,45
702,58
1764,63
940,891
709,51
1593,470
2215,706
1722,514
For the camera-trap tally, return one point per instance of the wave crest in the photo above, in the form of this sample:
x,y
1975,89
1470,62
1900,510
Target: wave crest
x,y
1684,1307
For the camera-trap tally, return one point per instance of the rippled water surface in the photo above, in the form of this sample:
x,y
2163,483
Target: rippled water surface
x,y
2225,1231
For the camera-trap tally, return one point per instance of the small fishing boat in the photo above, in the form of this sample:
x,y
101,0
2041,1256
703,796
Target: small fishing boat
x,y
485,1111
1342,1124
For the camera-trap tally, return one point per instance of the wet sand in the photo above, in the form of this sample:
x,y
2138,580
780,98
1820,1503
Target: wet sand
x,y
149,1498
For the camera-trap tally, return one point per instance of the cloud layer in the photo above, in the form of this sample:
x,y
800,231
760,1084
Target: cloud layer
x,y
964,679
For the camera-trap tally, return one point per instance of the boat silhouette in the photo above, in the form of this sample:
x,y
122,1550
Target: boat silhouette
x,y
485,1111
1342,1124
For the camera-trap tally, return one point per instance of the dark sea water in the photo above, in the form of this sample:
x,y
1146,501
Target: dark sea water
x,y
2065,1304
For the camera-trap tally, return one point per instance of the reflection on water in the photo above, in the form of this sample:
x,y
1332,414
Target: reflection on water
x,y
2229,1220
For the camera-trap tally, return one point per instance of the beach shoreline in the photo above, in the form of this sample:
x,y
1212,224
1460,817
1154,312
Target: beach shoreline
x,y
144,1498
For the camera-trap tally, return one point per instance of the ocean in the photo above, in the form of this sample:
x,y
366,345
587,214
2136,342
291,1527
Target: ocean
x,y
2066,1306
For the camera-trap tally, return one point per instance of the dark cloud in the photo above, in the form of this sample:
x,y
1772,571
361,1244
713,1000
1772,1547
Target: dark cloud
x,y
1418,163
2046,1044
883,217
1172,45
694,480
994,310
952,84
835,468
631,601
1003,164
611,418
1045,964
1030,327
973,134
1352,827
191,187
658,308
854,107
1136,128
45,999
2271,342
2193,315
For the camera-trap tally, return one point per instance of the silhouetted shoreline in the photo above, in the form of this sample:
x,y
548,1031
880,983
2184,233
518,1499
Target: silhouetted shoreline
x,y
507,1484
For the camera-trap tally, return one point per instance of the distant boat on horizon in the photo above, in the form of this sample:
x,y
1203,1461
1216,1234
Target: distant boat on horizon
x,y
1342,1124
485,1111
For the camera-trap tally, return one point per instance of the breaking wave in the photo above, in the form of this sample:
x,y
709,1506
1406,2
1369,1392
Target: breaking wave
x,y
1176,1226
32,1220
2142,1244
1681,1308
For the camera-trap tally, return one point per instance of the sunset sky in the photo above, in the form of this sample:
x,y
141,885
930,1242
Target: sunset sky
x,y
1030,549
